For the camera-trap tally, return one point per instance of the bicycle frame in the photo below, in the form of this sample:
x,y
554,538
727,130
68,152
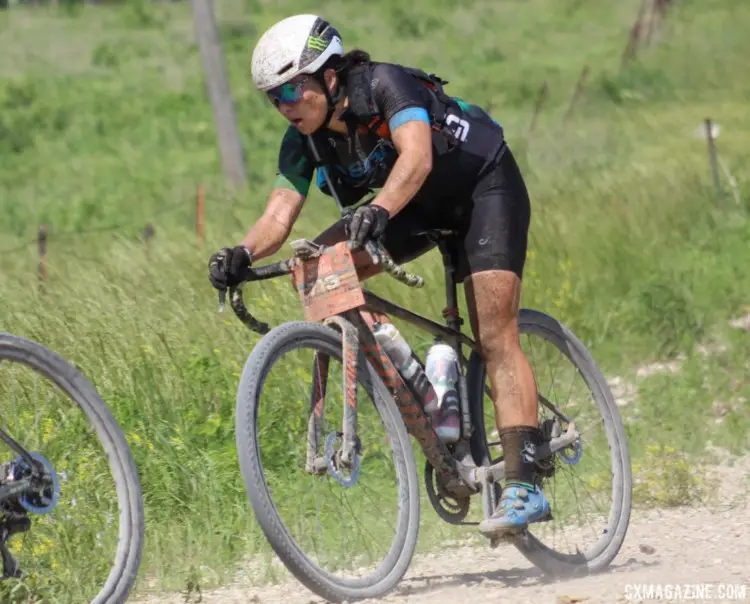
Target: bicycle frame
x,y
330,290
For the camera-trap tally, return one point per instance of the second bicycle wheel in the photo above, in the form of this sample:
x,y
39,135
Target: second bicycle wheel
x,y
588,484
78,535
342,541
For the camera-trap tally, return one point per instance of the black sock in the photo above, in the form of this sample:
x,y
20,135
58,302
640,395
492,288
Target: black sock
x,y
519,446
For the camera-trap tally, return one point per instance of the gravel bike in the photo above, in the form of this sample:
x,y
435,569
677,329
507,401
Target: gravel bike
x,y
57,519
334,329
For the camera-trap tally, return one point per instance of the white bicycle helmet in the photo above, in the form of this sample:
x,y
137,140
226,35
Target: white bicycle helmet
x,y
298,44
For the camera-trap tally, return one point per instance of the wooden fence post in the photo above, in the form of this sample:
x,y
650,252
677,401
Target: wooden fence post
x,y
658,12
653,20
217,84
42,246
635,36
148,234
577,92
538,107
199,217
712,156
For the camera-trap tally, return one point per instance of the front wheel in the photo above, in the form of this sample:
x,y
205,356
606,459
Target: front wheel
x,y
331,531
587,484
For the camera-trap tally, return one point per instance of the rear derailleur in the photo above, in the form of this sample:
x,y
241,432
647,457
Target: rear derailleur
x,y
13,520
24,490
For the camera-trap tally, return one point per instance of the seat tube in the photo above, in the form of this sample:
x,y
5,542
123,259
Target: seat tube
x,y
454,321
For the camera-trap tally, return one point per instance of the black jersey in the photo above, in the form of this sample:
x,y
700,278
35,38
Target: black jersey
x,y
361,161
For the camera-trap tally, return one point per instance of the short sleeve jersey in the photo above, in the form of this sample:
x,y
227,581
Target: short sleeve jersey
x,y
399,98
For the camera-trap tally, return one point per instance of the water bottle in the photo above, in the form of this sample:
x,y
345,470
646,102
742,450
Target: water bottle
x,y
400,353
441,367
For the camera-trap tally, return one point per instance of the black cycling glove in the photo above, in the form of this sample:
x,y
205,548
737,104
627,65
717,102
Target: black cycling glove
x,y
368,222
228,266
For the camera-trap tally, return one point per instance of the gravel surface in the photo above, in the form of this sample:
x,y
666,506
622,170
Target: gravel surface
x,y
704,551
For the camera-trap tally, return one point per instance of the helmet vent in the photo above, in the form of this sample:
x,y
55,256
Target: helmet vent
x,y
285,68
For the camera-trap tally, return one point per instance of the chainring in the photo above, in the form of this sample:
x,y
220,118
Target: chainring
x,y
450,508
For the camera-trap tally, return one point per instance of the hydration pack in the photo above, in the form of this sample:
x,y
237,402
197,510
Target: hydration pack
x,y
363,118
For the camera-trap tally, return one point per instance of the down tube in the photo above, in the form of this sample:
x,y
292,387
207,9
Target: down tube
x,y
375,303
417,422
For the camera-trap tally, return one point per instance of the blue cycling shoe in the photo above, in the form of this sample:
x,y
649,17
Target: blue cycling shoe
x,y
518,507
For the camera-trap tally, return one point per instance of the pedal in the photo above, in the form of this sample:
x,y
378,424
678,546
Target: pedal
x,y
506,539
305,249
507,536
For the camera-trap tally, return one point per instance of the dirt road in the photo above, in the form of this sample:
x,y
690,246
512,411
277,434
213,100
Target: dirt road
x,y
705,551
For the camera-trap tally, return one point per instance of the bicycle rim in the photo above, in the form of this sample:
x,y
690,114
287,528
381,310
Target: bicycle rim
x,y
578,474
68,382
380,577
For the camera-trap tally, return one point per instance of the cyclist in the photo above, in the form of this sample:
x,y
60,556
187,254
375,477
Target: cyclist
x,y
438,162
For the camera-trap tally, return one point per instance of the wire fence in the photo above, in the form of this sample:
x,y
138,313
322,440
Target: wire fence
x,y
12,3
649,20
145,232
75,235
643,33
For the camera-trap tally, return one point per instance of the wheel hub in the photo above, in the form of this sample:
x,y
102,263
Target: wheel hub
x,y
336,465
43,495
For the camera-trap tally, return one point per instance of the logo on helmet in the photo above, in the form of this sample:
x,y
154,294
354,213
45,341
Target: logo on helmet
x,y
317,43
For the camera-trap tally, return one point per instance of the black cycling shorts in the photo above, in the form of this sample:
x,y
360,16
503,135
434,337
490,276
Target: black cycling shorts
x,y
492,220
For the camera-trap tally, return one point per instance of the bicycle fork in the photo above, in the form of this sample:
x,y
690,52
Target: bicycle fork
x,y
455,476
347,456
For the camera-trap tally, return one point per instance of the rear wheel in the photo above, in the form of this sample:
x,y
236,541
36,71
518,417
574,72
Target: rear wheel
x,y
69,539
321,540
588,484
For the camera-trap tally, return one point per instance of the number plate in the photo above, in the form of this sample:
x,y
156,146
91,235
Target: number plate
x,y
328,285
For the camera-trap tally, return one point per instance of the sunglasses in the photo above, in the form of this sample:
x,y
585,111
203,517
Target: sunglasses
x,y
291,92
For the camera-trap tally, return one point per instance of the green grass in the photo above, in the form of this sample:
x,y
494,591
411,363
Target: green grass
x,y
105,126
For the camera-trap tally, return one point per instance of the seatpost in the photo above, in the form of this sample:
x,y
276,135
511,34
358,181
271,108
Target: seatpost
x,y
450,313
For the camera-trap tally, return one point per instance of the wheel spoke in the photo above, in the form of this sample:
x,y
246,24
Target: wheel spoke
x,y
74,545
551,352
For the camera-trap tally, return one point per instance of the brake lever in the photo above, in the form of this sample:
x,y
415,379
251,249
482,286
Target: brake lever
x,y
372,249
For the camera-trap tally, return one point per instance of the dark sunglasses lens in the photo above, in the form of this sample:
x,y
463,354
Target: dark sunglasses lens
x,y
286,93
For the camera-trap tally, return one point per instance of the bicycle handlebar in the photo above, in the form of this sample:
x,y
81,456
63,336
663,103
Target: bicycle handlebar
x,y
377,252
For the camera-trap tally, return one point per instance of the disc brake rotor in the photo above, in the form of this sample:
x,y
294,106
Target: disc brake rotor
x,y
335,465
43,500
